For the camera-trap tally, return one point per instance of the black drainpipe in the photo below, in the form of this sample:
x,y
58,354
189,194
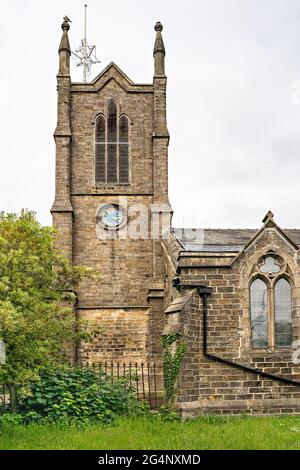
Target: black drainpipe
x,y
204,293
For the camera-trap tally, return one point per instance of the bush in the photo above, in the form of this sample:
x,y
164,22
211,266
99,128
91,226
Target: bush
x,y
10,419
77,394
167,413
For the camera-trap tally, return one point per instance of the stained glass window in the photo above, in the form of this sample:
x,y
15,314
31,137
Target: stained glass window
x,y
271,305
270,265
259,314
283,313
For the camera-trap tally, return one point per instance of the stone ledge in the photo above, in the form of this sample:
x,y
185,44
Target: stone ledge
x,y
206,407
61,207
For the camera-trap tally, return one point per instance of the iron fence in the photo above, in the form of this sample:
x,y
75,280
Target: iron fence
x,y
144,379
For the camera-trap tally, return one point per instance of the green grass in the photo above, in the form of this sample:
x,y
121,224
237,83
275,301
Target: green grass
x,y
149,433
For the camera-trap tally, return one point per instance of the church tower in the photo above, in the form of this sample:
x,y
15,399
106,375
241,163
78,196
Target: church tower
x,y
111,206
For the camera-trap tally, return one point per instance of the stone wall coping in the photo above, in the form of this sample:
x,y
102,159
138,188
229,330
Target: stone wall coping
x,y
179,302
263,404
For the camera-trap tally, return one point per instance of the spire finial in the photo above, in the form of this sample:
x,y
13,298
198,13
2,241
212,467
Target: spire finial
x,y
158,26
64,43
66,24
159,43
159,51
64,49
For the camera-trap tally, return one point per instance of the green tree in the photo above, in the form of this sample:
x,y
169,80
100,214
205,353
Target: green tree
x,y
37,285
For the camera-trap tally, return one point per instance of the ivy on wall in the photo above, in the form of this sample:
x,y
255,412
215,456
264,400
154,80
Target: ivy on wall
x,y
174,350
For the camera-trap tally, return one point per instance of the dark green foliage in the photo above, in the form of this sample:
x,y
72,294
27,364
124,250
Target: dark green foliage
x,y
10,420
167,413
172,361
77,394
37,293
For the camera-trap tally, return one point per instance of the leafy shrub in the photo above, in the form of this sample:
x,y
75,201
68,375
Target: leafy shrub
x,y
10,419
77,394
167,413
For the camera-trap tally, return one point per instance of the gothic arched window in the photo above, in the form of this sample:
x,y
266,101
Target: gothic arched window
x,y
100,149
123,149
283,313
259,313
112,147
271,304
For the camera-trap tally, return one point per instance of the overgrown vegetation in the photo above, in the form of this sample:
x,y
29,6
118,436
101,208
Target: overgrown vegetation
x,y
174,351
76,395
39,329
37,285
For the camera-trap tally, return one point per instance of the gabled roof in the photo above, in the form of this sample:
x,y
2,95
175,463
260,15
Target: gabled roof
x,y
111,72
109,67
216,240
231,240
269,223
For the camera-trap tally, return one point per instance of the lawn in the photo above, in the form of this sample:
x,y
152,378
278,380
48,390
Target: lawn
x,y
148,433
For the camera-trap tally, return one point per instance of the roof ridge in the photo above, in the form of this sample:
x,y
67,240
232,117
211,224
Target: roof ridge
x,y
208,228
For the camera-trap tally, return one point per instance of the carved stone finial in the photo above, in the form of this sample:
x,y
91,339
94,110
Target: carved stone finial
x,y
268,218
159,43
66,24
158,26
64,49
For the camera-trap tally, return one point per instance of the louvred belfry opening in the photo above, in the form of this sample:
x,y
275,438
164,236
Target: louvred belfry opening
x,y
100,150
123,150
112,147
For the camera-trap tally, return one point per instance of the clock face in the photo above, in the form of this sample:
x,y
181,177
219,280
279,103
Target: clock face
x,y
112,216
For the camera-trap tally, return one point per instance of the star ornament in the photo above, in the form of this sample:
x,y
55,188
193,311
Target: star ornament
x,y
85,56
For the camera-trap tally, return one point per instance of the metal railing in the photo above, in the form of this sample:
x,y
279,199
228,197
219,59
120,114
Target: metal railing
x,y
144,379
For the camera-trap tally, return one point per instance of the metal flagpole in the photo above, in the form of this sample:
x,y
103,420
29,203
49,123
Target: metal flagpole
x,y
85,55
85,45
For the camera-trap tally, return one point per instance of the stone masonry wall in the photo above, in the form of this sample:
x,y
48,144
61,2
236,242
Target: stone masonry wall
x,y
124,267
123,337
206,386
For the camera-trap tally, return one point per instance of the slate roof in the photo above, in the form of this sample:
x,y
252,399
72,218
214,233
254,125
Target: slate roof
x,y
222,240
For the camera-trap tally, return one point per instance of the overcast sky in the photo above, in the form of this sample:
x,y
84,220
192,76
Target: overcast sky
x,y
233,114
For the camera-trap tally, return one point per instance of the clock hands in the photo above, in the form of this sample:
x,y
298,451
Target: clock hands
x,y
112,217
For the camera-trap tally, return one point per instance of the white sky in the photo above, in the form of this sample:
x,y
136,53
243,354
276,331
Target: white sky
x,y
233,116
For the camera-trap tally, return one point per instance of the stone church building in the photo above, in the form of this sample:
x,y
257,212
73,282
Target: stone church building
x,y
233,295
